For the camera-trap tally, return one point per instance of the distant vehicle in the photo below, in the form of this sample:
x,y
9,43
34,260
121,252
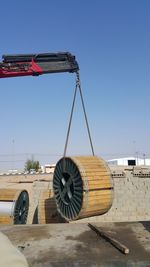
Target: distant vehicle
x,y
32,171
13,172
26,172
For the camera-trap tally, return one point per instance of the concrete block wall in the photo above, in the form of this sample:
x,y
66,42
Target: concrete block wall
x,y
131,199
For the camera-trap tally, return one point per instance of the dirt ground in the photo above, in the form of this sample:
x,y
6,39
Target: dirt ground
x,y
77,245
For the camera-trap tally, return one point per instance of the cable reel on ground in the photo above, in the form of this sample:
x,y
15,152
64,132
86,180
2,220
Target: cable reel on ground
x,y
14,206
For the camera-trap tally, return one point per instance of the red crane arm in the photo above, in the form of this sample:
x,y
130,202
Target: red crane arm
x,y
37,64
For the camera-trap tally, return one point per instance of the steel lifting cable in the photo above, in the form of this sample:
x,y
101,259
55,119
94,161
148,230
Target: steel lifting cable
x,y
78,86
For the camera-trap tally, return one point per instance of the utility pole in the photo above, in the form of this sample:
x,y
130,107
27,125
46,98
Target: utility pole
x,y
137,158
13,154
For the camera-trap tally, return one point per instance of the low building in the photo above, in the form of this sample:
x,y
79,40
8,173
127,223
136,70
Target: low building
x,y
49,168
129,161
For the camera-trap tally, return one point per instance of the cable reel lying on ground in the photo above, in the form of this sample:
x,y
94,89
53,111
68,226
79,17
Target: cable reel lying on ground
x,y
14,205
82,187
47,209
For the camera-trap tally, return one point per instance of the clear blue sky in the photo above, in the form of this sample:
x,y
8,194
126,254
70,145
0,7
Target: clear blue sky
x,y
111,41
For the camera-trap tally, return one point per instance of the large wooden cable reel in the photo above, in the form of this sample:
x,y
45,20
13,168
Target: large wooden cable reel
x,y
82,187
14,205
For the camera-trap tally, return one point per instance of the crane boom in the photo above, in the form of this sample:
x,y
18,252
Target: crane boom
x,y
37,64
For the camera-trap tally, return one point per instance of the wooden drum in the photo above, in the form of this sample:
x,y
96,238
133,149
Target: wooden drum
x,y
47,209
14,205
82,186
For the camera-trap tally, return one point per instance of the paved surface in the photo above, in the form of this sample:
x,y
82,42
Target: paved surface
x,y
77,245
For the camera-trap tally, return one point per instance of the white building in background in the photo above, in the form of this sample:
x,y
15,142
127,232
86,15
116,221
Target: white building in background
x,y
49,168
129,161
